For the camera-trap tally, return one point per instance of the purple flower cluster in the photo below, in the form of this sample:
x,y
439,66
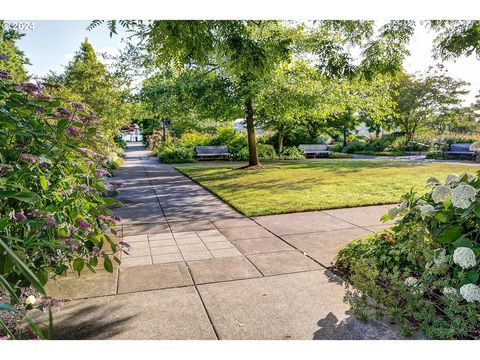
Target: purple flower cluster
x,y
72,131
29,158
61,112
20,217
101,172
113,218
3,57
82,224
4,75
72,243
50,222
28,88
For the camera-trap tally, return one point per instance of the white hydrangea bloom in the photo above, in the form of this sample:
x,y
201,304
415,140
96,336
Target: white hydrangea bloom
x,y
431,181
425,210
470,292
447,290
475,146
30,300
411,281
452,178
440,256
441,193
463,196
392,212
464,257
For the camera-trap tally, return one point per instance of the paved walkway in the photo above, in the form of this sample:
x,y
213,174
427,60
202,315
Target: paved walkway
x,y
200,270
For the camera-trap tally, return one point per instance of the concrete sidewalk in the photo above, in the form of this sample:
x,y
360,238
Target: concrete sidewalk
x,y
200,270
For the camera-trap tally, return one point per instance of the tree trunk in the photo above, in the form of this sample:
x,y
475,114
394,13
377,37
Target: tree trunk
x,y
344,137
252,143
280,142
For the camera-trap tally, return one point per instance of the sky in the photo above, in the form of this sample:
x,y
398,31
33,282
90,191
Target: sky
x,y
52,43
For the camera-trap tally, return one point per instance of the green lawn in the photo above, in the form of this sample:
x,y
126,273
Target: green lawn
x,y
303,186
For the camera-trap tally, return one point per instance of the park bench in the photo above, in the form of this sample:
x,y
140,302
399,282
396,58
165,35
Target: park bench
x,y
212,152
315,150
461,150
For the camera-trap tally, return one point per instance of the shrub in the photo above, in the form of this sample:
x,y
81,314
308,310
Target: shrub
x,y
53,174
337,148
292,153
176,155
193,139
265,152
438,155
155,141
425,271
355,146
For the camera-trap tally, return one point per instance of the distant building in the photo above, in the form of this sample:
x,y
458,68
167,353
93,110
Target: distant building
x,y
132,134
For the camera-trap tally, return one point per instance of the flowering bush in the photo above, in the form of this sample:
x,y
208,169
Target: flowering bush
x,y
53,173
425,270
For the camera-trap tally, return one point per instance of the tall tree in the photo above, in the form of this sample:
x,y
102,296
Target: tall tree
x,y
248,52
91,80
431,100
13,59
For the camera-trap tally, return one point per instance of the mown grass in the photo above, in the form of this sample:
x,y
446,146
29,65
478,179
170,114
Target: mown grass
x,y
317,185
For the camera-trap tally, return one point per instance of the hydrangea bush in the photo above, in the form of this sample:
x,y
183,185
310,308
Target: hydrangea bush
x,y
54,169
424,271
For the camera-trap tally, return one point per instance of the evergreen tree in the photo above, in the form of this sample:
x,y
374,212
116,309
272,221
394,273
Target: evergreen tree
x,y
15,60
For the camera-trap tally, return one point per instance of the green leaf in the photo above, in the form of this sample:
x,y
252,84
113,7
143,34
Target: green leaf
x,y
3,223
117,260
78,265
442,216
107,263
9,288
26,196
23,268
463,242
449,235
472,276
384,218
43,182
93,261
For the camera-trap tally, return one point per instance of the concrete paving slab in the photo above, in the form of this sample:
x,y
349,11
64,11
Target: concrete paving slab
x,y
88,284
305,222
145,228
365,216
304,305
136,261
241,233
167,258
232,223
223,269
261,245
283,262
153,277
170,314
323,246
197,255
222,253
191,225
212,239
